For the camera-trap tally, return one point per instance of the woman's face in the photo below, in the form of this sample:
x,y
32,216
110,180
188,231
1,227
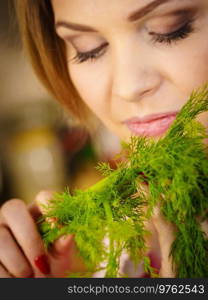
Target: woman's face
x,y
131,59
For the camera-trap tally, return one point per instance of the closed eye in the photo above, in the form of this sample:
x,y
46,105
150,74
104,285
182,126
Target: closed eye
x,y
90,55
179,34
167,38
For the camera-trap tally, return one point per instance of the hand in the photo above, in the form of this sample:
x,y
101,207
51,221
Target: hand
x,y
63,256
165,234
161,239
22,252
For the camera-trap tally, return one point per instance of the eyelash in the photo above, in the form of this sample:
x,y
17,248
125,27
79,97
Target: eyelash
x,y
177,35
168,39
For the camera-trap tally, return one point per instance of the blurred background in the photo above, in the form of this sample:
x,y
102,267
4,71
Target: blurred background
x,y
40,146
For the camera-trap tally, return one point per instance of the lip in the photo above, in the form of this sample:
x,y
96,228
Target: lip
x,y
151,125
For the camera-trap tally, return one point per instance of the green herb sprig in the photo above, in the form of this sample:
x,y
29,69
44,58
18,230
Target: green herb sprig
x,y
176,169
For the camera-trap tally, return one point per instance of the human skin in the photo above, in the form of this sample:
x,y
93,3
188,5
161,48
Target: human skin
x,y
134,76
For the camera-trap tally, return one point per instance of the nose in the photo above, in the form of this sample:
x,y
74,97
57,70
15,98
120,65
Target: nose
x,y
134,77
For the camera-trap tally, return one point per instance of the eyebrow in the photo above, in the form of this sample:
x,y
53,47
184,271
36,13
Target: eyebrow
x,y
133,17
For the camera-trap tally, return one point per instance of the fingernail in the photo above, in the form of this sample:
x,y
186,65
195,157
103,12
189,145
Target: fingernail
x,y
42,264
146,275
155,262
31,276
64,240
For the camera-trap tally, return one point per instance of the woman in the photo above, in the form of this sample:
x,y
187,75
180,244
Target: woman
x,y
129,64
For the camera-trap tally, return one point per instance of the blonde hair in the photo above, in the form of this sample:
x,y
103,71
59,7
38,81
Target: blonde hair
x,y
47,54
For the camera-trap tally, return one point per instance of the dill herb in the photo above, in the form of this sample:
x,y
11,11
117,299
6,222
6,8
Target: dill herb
x,y
176,169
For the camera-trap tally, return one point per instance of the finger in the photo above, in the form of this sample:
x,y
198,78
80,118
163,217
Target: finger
x,y
62,245
12,257
25,231
2,221
63,250
34,210
4,273
65,243
166,236
204,226
153,246
42,200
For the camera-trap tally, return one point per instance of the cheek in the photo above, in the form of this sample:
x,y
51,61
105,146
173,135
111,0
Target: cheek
x,y
189,63
197,68
194,70
91,83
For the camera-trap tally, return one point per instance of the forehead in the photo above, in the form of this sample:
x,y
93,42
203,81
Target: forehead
x,y
97,15
108,12
95,6
89,11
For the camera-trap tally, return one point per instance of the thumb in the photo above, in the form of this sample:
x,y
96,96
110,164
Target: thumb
x,y
65,245
42,200
66,252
